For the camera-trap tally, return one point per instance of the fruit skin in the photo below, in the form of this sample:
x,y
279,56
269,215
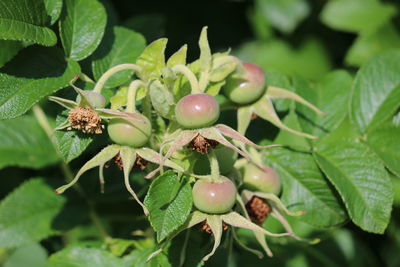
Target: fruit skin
x,y
226,158
246,85
124,133
214,197
262,180
197,111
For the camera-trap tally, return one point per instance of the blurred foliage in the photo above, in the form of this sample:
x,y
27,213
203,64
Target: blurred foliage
x,y
298,42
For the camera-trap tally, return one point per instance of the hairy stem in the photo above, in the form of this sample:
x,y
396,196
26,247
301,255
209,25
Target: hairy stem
x,y
215,175
103,79
132,91
44,123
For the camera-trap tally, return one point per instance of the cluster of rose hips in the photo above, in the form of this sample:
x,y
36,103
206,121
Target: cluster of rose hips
x,y
211,151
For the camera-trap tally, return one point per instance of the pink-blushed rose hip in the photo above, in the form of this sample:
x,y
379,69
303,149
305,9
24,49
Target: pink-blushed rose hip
x,y
127,134
197,111
246,85
261,179
214,197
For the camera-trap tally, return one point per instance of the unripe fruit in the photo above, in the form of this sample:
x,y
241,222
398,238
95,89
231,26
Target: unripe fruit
x,y
197,111
125,133
214,197
263,180
247,85
226,158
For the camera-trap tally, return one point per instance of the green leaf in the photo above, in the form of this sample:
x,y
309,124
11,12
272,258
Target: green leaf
x,y
331,95
82,27
138,258
305,188
152,60
376,93
355,15
71,144
161,99
8,50
309,60
359,177
28,255
367,46
24,20
27,214
169,201
384,140
80,256
120,45
53,8
284,15
25,144
35,73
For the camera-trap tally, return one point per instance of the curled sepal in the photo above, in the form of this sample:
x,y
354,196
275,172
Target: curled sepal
x,y
214,134
229,132
181,140
261,240
272,198
244,114
275,92
152,156
66,103
259,236
102,157
128,157
215,223
265,109
240,243
236,220
289,229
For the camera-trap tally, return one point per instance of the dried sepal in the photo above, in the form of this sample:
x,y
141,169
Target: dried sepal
x,y
100,159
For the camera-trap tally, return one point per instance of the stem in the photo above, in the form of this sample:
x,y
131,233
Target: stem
x,y
106,75
44,123
189,75
215,176
132,91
